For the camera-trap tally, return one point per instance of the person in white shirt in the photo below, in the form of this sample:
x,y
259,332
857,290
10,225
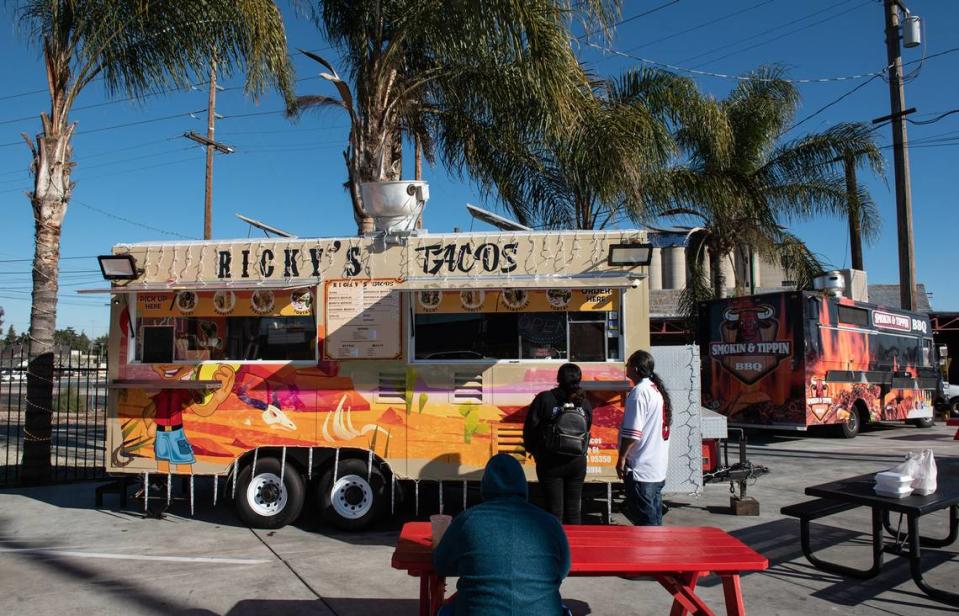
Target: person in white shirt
x,y
644,441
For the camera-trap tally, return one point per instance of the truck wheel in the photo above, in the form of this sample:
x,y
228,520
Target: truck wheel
x,y
954,407
356,498
263,501
925,422
852,425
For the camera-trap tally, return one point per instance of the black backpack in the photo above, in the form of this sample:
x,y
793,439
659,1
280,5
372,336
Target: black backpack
x,y
567,434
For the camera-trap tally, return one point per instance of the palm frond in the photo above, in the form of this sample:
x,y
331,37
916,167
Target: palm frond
x,y
141,48
797,260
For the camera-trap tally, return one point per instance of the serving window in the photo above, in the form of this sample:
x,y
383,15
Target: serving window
x,y
189,326
516,324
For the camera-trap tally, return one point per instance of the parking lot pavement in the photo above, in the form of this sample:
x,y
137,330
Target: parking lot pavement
x,y
60,555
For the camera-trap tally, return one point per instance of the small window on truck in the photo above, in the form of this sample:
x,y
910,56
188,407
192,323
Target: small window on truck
x,y
261,325
851,315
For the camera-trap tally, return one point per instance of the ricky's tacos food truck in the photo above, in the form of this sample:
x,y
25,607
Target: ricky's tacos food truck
x,y
803,359
335,367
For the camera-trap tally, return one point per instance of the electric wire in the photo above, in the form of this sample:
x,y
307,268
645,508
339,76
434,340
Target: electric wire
x,y
831,103
629,19
734,77
762,33
702,25
782,36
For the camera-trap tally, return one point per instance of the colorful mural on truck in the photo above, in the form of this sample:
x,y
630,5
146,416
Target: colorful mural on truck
x,y
803,359
409,415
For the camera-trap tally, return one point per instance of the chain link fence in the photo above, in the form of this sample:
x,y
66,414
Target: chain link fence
x,y
77,449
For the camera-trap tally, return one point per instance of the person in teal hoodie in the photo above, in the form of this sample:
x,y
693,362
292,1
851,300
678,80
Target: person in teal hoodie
x,y
509,555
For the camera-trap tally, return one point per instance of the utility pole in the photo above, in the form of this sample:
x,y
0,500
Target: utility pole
x,y
855,214
907,265
211,119
212,146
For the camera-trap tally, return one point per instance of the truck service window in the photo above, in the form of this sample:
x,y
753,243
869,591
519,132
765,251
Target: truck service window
x,y
557,324
224,325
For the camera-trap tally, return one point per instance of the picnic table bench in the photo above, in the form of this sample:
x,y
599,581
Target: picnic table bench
x,y
675,556
854,492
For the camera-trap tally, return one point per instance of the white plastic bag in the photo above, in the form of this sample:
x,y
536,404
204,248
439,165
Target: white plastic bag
x,y
922,468
925,481
910,467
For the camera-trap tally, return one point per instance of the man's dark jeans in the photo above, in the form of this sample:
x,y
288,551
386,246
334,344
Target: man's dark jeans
x,y
644,501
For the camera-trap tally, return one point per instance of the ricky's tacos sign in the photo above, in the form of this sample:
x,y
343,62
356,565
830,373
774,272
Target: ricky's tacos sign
x,y
436,259
450,257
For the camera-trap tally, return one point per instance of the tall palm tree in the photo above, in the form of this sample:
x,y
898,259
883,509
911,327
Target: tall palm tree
x,y
133,47
582,177
457,77
861,215
740,192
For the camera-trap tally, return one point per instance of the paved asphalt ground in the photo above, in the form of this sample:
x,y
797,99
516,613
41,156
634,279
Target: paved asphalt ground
x,y
60,555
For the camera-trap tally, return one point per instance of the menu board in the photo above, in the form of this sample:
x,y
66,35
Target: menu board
x,y
363,320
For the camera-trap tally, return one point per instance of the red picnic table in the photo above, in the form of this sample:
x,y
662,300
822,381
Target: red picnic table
x,y
675,556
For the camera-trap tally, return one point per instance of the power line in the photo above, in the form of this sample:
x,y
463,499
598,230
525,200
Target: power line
x,y
30,260
697,72
30,272
761,33
704,24
785,34
109,163
113,174
629,19
124,125
832,102
131,222
45,90
933,120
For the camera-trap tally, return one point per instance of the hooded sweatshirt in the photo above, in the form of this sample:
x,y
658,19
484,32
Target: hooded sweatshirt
x,y
510,556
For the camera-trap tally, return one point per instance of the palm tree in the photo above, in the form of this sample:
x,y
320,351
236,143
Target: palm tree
x,y
739,184
133,47
862,215
459,78
584,176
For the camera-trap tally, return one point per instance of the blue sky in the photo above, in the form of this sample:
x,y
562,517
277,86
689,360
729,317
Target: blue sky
x,y
138,179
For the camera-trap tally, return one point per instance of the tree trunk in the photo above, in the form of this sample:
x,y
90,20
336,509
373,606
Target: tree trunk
x,y
364,224
52,189
855,228
418,171
715,269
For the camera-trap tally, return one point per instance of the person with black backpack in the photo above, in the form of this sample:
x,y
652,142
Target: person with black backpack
x,y
556,433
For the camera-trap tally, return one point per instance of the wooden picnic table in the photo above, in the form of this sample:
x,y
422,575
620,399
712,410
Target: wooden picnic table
x,y
675,556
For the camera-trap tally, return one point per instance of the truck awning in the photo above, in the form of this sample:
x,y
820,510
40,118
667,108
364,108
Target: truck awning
x,y
591,280
583,281
203,286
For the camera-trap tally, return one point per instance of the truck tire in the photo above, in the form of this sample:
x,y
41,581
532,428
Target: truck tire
x,y
851,427
954,407
925,422
356,498
263,501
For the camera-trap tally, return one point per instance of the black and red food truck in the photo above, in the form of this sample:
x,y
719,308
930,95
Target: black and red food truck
x,y
799,359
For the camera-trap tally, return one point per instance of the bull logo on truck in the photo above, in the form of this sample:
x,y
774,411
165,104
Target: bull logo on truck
x,y
749,347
